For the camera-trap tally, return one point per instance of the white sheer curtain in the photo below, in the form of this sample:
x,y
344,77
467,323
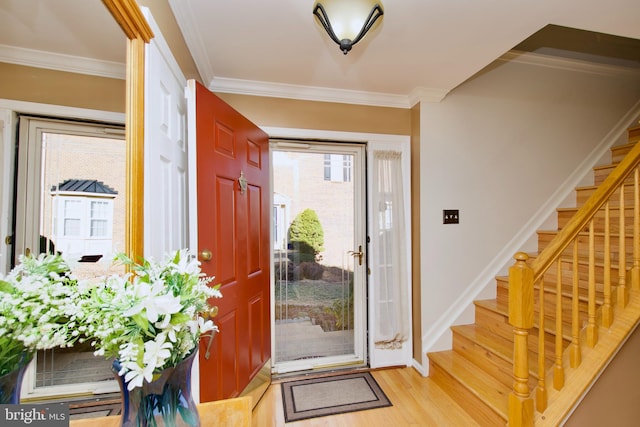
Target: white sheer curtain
x,y
392,323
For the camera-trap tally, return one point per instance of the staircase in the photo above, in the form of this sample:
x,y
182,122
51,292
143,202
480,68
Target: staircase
x,y
507,369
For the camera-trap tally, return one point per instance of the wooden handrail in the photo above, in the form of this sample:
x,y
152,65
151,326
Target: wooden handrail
x,y
523,275
581,219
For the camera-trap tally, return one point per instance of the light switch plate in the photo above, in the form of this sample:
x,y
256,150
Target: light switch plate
x,y
451,216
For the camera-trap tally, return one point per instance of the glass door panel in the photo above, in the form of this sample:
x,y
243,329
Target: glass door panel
x,y
71,200
318,256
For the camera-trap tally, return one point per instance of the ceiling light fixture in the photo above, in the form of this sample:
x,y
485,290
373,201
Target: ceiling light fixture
x,y
350,19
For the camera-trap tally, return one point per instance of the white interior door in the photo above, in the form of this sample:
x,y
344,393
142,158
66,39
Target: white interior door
x,y
166,222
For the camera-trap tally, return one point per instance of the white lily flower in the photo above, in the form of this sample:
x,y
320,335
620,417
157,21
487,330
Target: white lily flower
x,y
152,300
206,325
157,351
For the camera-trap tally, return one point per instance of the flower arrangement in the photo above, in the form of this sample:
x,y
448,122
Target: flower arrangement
x,y
151,318
39,309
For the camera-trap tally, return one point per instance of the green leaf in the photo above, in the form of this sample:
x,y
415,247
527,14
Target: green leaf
x,y
140,359
179,318
6,287
141,320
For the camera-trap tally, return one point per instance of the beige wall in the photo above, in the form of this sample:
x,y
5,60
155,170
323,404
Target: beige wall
x,y
61,88
290,113
613,399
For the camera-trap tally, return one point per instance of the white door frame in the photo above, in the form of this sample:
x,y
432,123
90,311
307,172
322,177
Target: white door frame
x,y
377,357
9,109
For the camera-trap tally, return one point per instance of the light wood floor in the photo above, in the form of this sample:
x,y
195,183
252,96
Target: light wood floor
x,y
417,401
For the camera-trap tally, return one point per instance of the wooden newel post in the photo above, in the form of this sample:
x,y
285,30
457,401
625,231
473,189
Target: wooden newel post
x,y
521,318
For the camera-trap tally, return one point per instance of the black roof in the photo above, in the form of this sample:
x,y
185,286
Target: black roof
x,y
84,186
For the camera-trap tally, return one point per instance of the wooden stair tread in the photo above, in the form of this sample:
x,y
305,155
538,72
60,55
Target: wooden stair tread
x,y
492,305
486,339
627,145
501,347
605,167
502,309
586,187
484,386
594,187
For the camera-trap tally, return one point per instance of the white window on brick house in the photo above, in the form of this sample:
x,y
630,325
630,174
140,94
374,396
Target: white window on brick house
x,y
337,167
83,217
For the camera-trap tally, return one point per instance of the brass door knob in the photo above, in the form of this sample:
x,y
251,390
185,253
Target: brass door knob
x,y
206,255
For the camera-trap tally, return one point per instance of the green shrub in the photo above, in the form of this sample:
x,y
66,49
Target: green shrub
x,y
306,235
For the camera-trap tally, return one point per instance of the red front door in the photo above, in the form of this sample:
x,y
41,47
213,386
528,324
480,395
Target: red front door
x,y
233,223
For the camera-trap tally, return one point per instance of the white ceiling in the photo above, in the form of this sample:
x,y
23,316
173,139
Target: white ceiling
x,y
422,49
62,34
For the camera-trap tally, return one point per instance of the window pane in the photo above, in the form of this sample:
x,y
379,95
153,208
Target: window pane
x,y
98,228
71,227
327,167
99,209
346,159
72,209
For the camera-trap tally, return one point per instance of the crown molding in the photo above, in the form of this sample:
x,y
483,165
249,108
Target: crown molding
x,y
426,94
307,93
568,64
419,94
61,62
185,17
